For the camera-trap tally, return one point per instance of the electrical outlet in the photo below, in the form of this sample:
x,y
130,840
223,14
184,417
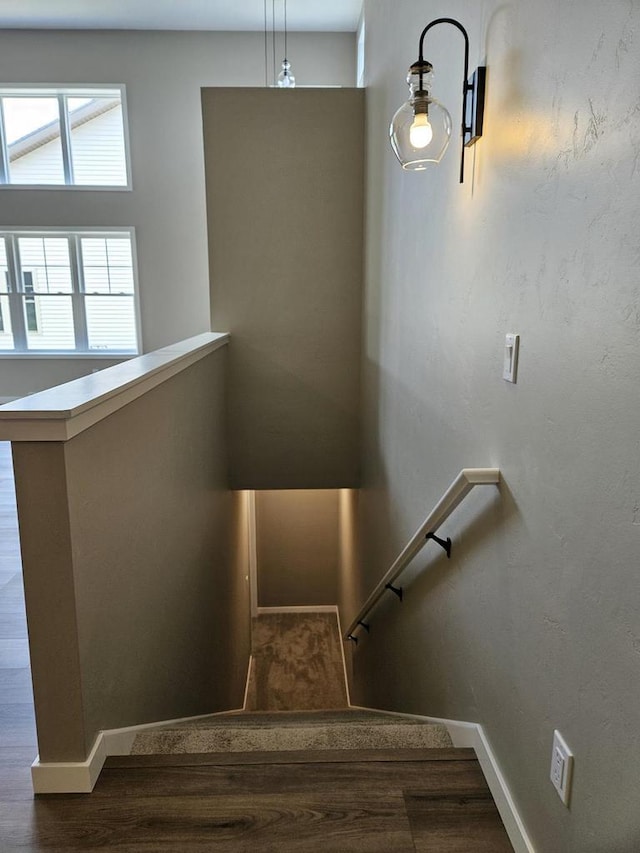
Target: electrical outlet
x,y
561,767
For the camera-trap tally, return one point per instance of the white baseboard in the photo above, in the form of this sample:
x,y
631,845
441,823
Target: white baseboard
x,y
472,735
247,683
120,741
299,608
252,544
344,659
53,777
501,794
73,777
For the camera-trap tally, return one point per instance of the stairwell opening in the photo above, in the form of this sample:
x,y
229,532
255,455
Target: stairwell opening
x,y
302,551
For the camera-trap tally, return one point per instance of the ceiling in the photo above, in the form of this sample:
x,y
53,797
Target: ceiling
x,y
302,15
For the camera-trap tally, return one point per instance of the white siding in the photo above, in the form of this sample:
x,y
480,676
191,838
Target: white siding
x,y
97,149
41,166
55,324
111,322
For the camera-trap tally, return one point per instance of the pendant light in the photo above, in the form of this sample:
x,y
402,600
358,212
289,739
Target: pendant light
x,y
286,80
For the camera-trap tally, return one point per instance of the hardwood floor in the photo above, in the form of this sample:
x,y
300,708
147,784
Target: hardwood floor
x,y
401,802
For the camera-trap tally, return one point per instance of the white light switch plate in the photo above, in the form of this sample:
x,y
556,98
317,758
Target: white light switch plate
x,y
561,767
511,347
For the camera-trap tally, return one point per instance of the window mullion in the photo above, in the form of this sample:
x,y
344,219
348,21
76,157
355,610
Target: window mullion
x,y
16,299
65,139
4,151
78,298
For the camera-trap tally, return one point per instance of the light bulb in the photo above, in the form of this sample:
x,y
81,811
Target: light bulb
x,y
420,132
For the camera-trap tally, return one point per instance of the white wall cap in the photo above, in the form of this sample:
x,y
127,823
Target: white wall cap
x,y
59,413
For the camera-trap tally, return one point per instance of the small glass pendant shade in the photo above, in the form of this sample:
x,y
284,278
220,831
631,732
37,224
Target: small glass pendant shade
x,y
421,129
286,80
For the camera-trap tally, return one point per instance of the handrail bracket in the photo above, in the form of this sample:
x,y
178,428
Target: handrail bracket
x,y
443,543
394,589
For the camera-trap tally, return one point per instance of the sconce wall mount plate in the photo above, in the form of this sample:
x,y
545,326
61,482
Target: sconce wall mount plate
x,y
474,106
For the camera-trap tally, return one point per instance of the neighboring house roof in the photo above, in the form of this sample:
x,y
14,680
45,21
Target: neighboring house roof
x,y
37,138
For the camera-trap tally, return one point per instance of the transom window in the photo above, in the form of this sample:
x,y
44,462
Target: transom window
x,y
63,137
67,292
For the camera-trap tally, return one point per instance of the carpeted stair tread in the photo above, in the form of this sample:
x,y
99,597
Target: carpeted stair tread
x,y
297,718
244,733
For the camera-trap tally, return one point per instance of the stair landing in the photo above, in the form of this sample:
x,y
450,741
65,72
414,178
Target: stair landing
x,y
353,802
297,663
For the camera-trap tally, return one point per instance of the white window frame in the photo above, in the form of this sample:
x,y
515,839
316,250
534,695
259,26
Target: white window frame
x,y
16,294
63,92
360,55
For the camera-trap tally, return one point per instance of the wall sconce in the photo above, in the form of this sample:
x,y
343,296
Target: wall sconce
x,y
421,129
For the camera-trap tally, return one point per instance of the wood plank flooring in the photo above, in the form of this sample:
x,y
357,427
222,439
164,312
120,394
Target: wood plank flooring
x,y
401,802
436,803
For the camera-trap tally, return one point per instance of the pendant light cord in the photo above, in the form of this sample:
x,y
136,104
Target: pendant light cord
x,y
266,54
285,29
273,30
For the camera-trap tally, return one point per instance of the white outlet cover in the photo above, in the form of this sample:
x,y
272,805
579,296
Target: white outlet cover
x,y
561,767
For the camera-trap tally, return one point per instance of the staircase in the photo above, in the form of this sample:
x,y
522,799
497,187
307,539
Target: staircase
x,y
299,771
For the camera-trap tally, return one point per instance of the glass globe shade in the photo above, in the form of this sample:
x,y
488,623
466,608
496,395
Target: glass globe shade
x,y
286,80
420,132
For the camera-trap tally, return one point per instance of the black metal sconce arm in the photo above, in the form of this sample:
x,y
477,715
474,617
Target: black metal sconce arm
x,y
464,34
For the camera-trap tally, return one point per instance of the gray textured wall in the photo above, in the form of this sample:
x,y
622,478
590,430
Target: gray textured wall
x,y
298,547
136,589
284,204
535,622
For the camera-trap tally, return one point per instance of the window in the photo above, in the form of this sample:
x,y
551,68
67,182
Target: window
x,y
67,292
63,137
